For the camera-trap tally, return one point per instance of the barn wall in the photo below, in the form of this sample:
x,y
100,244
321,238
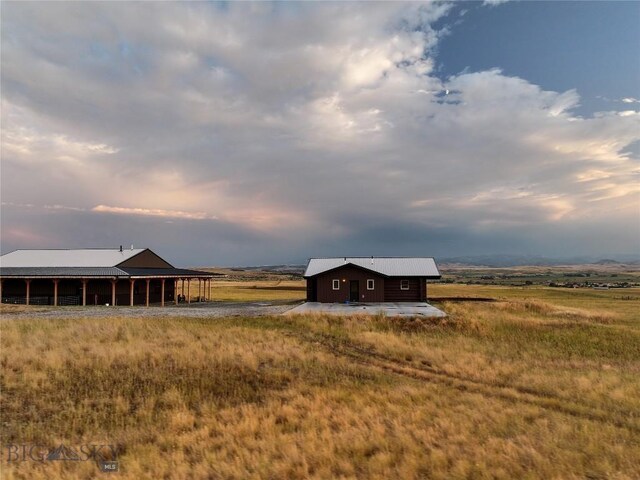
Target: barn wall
x,y
145,259
326,294
392,292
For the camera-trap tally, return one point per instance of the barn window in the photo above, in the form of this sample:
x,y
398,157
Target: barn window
x,y
404,284
370,284
336,284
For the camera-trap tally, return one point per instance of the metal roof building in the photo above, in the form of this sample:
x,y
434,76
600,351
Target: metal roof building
x,y
387,266
111,276
63,258
369,279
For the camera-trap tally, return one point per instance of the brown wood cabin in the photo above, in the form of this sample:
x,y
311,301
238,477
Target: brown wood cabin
x,y
369,279
96,276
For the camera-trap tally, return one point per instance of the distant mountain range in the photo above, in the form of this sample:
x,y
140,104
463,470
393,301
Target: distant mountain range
x,y
534,260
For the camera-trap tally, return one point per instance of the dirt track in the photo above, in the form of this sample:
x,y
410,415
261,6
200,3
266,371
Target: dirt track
x,y
425,372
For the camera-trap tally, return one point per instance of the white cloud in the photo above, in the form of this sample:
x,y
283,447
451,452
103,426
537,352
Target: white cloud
x,y
153,212
493,3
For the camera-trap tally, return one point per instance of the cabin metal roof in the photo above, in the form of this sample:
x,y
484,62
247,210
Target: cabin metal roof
x,y
387,266
84,257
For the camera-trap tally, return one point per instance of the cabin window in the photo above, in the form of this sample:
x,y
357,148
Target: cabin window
x,y
404,284
371,284
336,284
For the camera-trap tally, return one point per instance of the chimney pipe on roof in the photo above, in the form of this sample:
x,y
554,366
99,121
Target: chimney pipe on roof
x,y
371,259
121,248
132,246
345,259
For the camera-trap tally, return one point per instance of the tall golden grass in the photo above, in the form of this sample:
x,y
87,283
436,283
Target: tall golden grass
x,y
525,387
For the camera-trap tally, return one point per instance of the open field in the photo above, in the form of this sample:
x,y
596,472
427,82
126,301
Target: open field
x,y
542,383
260,290
590,274
273,285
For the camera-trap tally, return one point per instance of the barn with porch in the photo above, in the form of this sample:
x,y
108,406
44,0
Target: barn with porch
x,y
108,276
369,279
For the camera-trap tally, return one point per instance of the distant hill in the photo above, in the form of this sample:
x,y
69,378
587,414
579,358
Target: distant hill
x,y
279,268
532,260
607,261
479,261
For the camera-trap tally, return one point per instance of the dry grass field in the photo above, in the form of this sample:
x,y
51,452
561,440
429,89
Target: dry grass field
x,y
261,290
543,383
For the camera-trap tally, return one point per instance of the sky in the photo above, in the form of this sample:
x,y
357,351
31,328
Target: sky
x,y
268,133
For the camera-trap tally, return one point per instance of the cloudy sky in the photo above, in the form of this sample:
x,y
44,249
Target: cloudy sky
x,y
259,133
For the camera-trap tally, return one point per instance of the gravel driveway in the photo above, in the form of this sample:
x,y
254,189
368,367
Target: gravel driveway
x,y
197,310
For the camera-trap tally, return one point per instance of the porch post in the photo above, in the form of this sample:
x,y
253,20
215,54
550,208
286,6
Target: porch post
x,y
188,290
199,294
162,292
55,292
131,292
28,285
113,292
148,282
0,290
175,291
84,292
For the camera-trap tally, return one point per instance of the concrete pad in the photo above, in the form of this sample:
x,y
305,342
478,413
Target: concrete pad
x,y
408,309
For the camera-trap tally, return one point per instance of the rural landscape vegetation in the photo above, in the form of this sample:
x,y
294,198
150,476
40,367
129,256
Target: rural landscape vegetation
x,y
499,139
518,381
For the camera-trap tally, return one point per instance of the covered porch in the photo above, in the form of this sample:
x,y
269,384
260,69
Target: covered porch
x,y
107,291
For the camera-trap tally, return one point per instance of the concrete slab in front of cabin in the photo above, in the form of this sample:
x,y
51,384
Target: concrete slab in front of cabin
x,y
408,309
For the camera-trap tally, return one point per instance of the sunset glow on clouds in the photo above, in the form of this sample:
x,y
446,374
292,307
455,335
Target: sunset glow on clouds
x,y
273,132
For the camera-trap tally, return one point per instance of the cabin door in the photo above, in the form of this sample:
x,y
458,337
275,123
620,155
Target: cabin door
x,y
354,291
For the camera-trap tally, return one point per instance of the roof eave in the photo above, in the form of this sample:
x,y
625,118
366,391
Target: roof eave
x,y
140,253
348,264
430,277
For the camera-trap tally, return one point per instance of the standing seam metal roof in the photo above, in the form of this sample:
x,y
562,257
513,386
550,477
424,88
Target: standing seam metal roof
x,y
161,272
85,257
62,272
388,266
77,272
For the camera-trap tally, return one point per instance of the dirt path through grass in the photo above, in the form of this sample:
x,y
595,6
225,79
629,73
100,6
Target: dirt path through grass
x,y
367,356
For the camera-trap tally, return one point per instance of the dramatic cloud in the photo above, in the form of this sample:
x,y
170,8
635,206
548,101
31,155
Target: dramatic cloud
x,y
153,212
272,132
